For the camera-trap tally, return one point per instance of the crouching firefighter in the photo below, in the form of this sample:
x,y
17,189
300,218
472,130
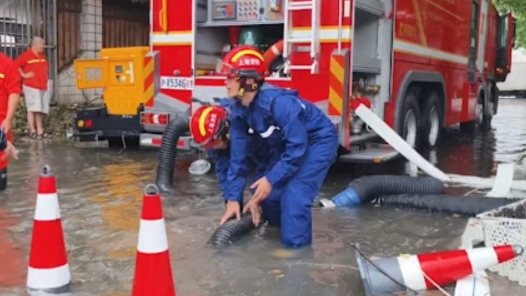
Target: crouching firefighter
x,y
302,143
209,127
10,90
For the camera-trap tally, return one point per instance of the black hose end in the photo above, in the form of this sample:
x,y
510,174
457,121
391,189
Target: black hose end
x,y
166,188
231,231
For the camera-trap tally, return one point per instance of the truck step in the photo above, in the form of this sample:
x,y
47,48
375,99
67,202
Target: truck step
x,y
363,138
375,154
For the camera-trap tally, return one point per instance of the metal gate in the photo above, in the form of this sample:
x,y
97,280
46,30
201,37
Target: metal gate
x,y
20,20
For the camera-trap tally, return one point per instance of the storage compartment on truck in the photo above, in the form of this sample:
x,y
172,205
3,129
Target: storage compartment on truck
x,y
225,24
365,43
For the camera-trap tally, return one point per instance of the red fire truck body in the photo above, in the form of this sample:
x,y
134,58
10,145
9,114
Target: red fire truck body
x,y
425,65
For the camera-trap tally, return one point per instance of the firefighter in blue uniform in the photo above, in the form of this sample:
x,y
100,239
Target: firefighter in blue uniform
x,y
210,129
303,144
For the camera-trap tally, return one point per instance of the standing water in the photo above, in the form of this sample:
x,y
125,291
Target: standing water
x,y
100,194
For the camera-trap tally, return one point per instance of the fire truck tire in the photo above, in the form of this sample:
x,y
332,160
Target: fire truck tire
x,y
482,121
165,167
409,119
495,99
432,120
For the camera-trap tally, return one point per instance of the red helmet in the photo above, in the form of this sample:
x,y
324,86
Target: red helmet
x,y
243,61
208,124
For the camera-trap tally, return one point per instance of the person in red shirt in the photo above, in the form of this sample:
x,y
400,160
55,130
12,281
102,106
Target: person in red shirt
x,y
33,67
9,98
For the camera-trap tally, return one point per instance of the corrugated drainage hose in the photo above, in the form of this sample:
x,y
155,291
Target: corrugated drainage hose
x,y
232,230
366,189
470,205
165,168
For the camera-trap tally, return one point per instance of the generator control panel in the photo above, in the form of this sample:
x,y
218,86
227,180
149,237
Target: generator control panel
x,y
245,10
121,72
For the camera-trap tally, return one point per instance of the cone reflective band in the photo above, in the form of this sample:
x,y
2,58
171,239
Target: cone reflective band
x,y
153,272
48,271
424,271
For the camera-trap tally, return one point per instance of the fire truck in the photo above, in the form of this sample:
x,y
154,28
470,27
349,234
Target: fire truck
x,y
423,65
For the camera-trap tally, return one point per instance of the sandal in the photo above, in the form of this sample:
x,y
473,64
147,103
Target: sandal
x,y
33,135
42,136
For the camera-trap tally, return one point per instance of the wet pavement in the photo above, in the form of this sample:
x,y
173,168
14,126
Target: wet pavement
x,y
100,195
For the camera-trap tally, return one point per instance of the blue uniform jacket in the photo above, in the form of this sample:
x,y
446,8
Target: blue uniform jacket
x,y
257,152
286,123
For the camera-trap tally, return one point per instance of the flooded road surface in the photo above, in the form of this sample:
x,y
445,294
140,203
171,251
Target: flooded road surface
x,y
100,196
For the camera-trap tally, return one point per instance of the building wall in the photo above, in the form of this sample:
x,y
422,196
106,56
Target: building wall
x,y
88,27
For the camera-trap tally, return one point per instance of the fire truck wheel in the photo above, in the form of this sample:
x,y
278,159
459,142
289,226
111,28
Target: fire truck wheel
x,y
482,122
409,118
495,99
432,120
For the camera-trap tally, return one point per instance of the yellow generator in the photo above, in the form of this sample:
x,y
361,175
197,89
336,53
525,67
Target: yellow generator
x,y
122,75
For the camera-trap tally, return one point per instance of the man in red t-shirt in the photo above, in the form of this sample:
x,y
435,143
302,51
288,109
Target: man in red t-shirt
x,y
9,97
33,67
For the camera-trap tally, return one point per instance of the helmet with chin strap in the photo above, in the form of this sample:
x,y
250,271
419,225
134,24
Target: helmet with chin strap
x,y
242,63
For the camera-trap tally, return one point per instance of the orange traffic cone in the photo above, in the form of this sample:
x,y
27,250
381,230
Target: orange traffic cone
x,y
48,271
389,276
153,272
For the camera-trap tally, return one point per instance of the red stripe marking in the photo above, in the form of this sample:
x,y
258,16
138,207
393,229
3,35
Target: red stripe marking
x,y
445,267
148,81
147,60
158,142
336,84
48,249
338,87
47,185
153,275
504,253
152,208
332,110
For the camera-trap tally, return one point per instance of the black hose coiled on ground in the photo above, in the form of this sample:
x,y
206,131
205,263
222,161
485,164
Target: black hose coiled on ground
x,y
365,189
232,230
165,168
470,205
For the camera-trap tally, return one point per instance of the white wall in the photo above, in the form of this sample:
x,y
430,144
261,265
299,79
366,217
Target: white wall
x,y
516,79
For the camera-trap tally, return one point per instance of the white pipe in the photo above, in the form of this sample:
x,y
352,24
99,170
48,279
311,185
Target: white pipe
x,y
393,139
479,182
503,180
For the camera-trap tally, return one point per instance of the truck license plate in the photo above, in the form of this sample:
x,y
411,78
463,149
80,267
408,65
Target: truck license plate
x,y
177,83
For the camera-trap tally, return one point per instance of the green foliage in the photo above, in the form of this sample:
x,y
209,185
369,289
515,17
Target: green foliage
x,y
59,118
519,12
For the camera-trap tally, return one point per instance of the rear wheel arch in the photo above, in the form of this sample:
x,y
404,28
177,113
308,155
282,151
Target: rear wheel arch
x,y
418,79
